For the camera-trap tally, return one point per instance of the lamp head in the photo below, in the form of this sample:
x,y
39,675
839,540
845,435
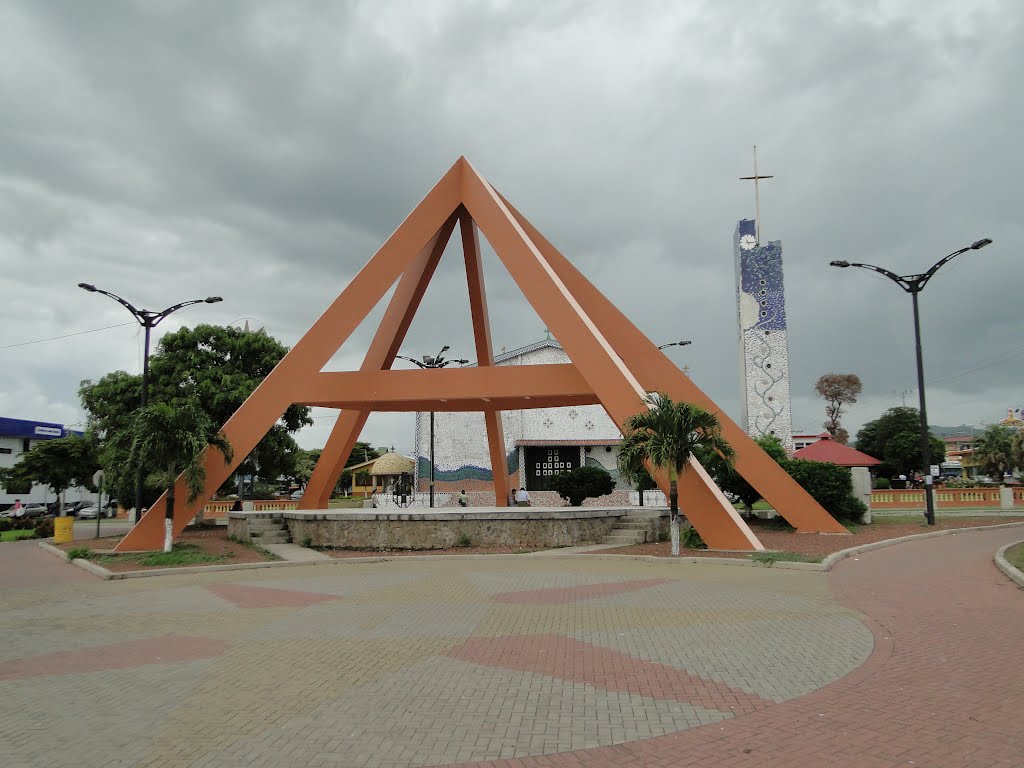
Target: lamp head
x,y
212,299
839,263
445,348
980,243
87,287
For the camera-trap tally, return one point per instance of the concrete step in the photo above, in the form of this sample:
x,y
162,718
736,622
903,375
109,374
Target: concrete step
x,y
624,539
264,524
273,538
635,525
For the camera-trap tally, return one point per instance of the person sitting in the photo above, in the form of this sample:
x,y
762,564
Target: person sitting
x,y
522,498
463,499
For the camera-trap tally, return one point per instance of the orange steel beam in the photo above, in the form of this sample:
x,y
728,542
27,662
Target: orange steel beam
x,y
610,360
449,389
380,356
484,352
579,334
251,422
654,368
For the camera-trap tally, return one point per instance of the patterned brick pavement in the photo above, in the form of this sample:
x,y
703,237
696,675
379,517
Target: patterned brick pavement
x,y
517,662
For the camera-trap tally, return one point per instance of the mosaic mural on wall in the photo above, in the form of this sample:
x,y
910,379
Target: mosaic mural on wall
x,y
764,347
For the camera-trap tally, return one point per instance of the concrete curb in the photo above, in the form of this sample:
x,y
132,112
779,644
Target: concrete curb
x,y
1004,565
826,565
48,547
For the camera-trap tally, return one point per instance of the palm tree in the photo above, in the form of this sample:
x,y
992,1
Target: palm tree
x,y
665,437
172,439
993,451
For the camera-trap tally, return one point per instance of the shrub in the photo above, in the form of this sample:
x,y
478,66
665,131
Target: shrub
x,y
581,483
44,528
882,484
6,524
690,539
79,552
307,542
829,484
464,540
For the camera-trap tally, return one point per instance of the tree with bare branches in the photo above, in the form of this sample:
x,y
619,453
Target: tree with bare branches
x,y
838,390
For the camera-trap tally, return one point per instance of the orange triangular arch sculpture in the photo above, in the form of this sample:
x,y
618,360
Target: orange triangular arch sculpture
x,y
613,364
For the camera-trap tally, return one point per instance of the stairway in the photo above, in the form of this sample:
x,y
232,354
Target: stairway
x,y
269,530
638,526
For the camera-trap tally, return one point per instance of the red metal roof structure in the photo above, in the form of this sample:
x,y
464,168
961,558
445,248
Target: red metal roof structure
x,y
827,449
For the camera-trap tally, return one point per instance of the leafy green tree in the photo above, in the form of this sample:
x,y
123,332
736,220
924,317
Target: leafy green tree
x,y
636,473
902,424
213,366
665,436
731,481
59,464
582,483
171,440
994,451
829,484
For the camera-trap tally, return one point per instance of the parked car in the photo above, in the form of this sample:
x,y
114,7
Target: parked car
x,y
36,510
90,512
72,507
296,495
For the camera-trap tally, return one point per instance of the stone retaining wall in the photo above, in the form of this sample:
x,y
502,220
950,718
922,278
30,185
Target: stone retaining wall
x,y
438,530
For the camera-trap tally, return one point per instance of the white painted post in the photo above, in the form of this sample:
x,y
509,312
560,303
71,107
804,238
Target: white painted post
x,y
862,489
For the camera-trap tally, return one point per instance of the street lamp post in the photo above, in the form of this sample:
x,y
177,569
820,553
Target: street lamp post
x,y
675,344
437,361
148,320
914,284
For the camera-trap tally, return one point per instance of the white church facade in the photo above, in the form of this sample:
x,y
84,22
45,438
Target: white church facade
x,y
538,443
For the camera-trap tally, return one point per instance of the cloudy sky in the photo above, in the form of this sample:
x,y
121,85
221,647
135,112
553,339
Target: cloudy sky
x,y
167,150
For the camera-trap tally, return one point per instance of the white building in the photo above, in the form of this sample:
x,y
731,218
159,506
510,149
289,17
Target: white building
x,y
17,436
538,443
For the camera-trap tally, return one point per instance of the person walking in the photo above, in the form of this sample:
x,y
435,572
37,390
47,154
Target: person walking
x,y
17,511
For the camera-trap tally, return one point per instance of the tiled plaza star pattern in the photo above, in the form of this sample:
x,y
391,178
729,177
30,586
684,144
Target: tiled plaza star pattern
x,y
531,661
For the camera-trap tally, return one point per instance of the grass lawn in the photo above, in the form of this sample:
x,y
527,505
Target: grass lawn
x,y
181,554
1015,555
17,534
759,506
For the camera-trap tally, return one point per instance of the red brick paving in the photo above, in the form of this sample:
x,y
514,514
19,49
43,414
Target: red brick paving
x,y
124,655
562,595
944,687
581,662
267,597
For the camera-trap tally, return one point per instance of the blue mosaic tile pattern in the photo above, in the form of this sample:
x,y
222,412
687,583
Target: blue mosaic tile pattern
x,y
761,311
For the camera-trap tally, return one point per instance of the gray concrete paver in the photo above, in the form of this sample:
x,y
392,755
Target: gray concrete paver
x,y
367,677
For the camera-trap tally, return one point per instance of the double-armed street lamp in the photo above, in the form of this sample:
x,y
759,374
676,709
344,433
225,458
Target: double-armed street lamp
x,y
148,320
437,361
914,284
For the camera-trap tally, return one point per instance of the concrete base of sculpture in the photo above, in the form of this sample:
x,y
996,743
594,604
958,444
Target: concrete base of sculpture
x,y
526,527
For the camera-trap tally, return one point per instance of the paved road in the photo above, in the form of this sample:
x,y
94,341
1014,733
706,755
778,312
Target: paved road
x,y
905,656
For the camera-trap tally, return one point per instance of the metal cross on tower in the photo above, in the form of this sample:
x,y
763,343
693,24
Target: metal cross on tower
x,y
757,197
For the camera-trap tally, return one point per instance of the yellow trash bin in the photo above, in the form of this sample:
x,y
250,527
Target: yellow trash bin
x,y
63,530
